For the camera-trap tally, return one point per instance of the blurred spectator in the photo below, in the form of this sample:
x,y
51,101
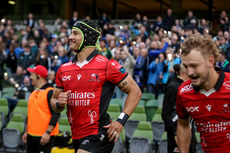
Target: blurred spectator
x,y
26,59
41,28
159,24
146,24
24,88
51,78
223,63
59,59
104,51
154,51
127,60
178,25
224,21
156,75
108,29
37,36
23,35
33,47
170,61
220,34
175,45
16,78
169,20
29,32
112,47
20,93
137,22
104,20
188,32
143,34
125,32
203,26
30,21
43,59
11,60
139,68
142,45
190,17
223,44
73,19
54,39
2,62
117,54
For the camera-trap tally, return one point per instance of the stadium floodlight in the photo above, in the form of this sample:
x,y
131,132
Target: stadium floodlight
x,y
12,2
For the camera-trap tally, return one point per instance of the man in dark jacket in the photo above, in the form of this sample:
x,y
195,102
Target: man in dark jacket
x,y
26,59
169,114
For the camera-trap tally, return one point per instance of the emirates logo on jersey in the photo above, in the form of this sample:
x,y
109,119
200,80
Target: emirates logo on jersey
x,y
226,108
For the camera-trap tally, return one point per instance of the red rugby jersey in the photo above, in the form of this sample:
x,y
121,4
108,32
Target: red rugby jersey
x,y
92,84
211,112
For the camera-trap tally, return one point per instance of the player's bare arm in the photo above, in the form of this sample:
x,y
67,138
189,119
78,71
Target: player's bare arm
x,y
183,134
129,86
58,100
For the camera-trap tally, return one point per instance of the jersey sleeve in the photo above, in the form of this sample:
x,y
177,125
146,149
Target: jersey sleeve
x,y
58,80
115,72
181,111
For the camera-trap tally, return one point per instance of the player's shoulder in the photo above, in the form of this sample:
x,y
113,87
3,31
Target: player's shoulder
x,y
66,66
227,76
101,59
226,82
185,87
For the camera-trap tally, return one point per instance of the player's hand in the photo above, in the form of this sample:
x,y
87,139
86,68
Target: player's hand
x,y
63,98
45,139
175,137
24,137
114,130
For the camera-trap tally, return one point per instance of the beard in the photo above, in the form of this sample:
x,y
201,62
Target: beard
x,y
200,80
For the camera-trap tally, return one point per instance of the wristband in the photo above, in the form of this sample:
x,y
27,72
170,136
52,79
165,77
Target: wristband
x,y
123,118
58,106
48,132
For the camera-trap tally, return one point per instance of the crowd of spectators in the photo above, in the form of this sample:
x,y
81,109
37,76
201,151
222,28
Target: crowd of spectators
x,y
148,51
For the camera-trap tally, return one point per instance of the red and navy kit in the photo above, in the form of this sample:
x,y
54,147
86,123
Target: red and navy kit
x,y
210,110
92,83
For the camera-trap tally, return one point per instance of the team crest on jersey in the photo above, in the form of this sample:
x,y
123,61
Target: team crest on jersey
x,y
226,108
94,78
186,88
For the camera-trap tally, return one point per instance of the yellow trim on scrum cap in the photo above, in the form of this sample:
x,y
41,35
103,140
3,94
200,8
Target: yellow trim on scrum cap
x,y
89,27
82,36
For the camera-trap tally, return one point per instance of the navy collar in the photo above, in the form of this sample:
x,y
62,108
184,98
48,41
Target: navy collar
x,y
91,55
218,83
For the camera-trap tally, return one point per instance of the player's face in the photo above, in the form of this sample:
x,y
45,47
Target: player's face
x,y
197,67
75,39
